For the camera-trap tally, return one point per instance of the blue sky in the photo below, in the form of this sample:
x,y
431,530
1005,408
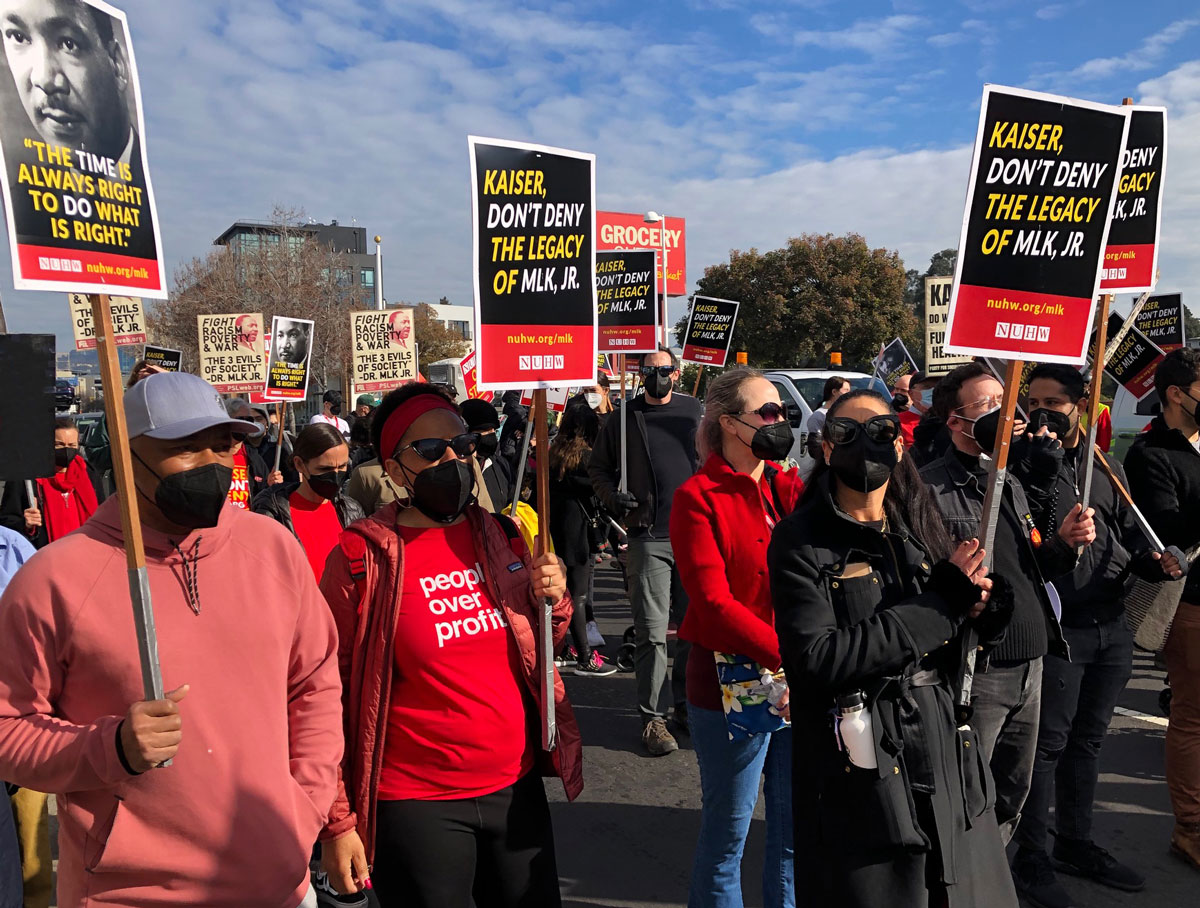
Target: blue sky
x,y
755,121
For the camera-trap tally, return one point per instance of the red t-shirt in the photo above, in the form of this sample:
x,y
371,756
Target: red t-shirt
x,y
239,489
456,727
318,529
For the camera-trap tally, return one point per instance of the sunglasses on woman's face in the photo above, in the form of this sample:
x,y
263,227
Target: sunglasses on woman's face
x,y
664,371
433,449
770,412
842,430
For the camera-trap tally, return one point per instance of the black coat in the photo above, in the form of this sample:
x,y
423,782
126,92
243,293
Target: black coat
x,y
498,478
860,609
1164,480
273,501
572,513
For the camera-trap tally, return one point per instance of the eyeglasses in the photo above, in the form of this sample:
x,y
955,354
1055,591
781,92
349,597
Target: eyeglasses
x,y
987,402
433,449
842,430
770,412
664,371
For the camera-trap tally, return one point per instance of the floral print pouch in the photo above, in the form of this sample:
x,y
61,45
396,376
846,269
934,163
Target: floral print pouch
x,y
749,693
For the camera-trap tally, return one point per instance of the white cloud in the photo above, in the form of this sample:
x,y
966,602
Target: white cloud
x,y
874,37
1146,56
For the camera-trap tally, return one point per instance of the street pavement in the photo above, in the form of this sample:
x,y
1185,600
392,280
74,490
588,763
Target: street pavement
x,y
627,841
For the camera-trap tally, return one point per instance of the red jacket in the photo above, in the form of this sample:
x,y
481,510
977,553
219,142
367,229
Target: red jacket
x,y
720,538
366,659
908,424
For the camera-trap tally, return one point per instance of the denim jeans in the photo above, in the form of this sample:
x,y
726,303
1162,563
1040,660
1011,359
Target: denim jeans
x,y
1007,702
1078,698
729,774
11,895
657,596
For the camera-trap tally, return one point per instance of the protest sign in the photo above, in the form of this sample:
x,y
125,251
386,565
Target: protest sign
x,y
76,185
894,362
128,320
1044,180
1131,256
937,316
470,375
1135,360
232,358
556,398
534,253
709,331
1162,321
287,363
164,357
623,230
625,297
27,405
385,351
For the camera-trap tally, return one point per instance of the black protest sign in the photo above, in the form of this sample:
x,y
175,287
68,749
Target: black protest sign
x,y
625,300
164,357
27,405
287,361
1162,320
709,331
73,147
534,253
894,363
1131,257
1134,361
1043,182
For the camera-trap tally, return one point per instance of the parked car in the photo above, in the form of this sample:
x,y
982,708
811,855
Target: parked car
x,y
800,391
65,400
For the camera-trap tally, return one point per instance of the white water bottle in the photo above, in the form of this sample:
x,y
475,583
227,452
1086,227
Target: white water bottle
x,y
854,725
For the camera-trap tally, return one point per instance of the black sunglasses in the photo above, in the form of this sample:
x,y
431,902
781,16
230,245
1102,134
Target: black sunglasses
x,y
770,412
664,371
842,430
432,449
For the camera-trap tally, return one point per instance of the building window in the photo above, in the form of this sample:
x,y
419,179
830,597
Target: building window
x,y
461,328
366,277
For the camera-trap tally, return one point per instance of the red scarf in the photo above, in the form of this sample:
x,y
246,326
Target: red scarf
x,y
69,499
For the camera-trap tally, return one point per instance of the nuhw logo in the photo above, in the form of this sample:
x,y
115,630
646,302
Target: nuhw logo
x,y
538,363
1017,331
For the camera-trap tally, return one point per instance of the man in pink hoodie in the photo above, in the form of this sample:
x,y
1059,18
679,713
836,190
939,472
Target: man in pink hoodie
x,y
248,648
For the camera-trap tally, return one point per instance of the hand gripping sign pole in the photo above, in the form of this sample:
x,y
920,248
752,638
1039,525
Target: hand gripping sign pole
x,y
541,413
992,502
131,525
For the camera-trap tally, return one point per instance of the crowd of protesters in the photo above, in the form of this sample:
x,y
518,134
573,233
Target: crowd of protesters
x,y
349,617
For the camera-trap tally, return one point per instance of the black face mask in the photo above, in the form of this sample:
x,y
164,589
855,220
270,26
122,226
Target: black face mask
x,y
443,492
64,456
335,409
900,402
193,498
328,485
1056,422
658,386
487,445
863,465
770,442
985,429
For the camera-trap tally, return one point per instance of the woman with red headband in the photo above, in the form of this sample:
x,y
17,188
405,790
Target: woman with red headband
x,y
437,605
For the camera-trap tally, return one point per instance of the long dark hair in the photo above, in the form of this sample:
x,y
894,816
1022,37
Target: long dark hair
x,y
577,432
908,501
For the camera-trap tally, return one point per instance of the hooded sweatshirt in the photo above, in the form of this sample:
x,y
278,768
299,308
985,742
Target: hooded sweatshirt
x,y
232,821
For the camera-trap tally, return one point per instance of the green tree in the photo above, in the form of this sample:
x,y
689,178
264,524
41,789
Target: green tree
x,y
817,294
1191,324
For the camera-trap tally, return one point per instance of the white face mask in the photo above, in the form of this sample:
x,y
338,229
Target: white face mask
x,y
593,400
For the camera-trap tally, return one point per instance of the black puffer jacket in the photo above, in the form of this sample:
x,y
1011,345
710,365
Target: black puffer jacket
x,y
859,609
273,502
1164,480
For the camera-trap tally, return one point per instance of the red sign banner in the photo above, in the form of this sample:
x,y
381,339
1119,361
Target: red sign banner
x,y
621,230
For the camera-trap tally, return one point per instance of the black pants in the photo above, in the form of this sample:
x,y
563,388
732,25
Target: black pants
x,y
579,584
497,849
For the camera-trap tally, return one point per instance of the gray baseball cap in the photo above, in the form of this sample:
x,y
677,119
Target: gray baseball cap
x,y
175,405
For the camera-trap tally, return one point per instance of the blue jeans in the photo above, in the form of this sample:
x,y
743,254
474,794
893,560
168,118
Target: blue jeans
x,y
11,886
729,774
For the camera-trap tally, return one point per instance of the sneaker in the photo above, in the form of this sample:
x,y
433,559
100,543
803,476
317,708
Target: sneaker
x,y
1034,878
567,657
595,666
595,638
328,897
657,740
1087,859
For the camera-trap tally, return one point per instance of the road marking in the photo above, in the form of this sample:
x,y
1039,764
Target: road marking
x,y
1142,717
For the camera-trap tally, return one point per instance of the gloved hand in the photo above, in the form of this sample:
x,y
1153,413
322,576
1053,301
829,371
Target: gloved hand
x,y
1042,454
625,503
